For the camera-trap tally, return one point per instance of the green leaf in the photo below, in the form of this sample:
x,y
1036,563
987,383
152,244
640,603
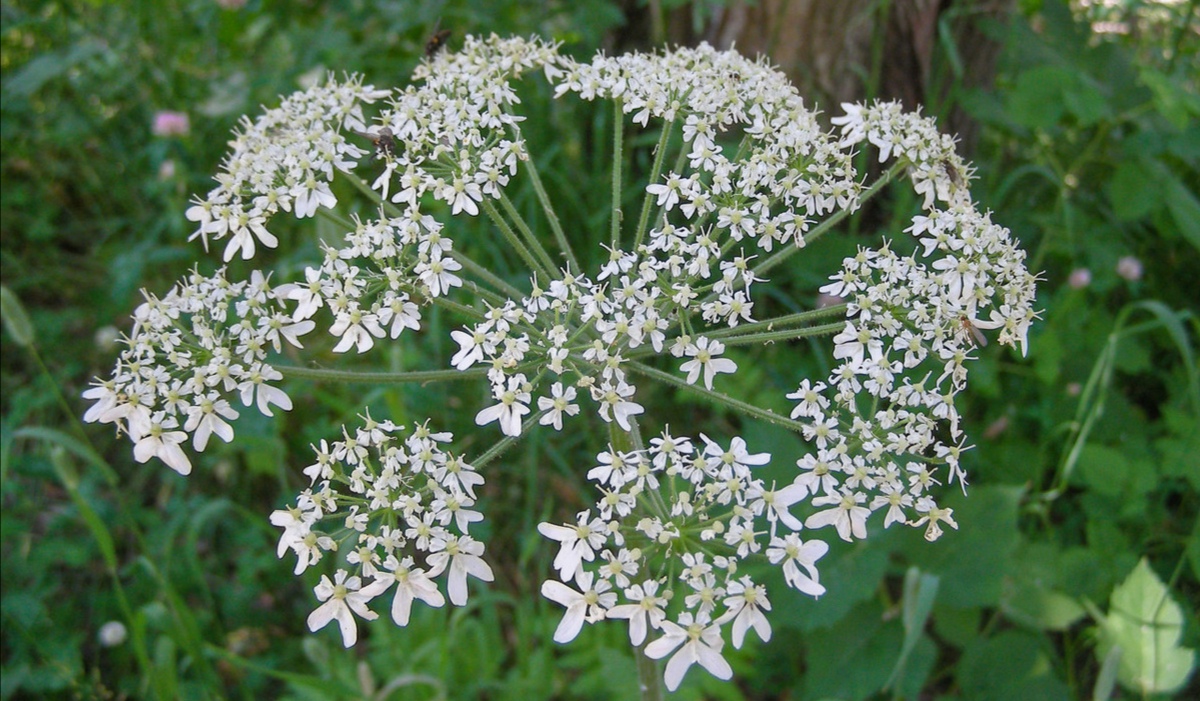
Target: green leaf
x,y
1185,209
16,321
1037,99
1104,469
1086,103
860,664
971,561
1133,190
920,592
1146,624
1011,665
1172,101
47,67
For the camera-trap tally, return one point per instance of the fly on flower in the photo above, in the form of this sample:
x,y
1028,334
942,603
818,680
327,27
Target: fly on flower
x,y
437,41
955,177
384,140
970,330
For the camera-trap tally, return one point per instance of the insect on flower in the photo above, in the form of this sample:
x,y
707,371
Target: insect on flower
x,y
436,42
956,178
971,331
384,140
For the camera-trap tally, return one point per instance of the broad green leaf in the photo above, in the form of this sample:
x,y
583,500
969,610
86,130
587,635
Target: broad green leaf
x,y
1133,190
1104,469
860,664
1175,103
1185,209
1037,99
971,561
1146,624
1086,103
1011,665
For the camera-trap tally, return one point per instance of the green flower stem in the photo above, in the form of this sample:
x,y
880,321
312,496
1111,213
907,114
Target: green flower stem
x,y
332,216
379,378
505,443
618,158
469,312
551,215
783,334
780,322
489,277
649,679
514,240
735,404
361,185
655,172
530,238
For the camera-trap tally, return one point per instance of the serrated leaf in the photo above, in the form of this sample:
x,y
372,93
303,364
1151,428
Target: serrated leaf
x,y
1146,624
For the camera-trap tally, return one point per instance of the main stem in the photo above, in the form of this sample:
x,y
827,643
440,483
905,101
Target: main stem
x,y
649,680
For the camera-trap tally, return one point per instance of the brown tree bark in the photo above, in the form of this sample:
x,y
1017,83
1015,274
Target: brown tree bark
x,y
848,50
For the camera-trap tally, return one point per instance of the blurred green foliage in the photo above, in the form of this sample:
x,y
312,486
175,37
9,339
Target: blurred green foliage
x,y
1086,481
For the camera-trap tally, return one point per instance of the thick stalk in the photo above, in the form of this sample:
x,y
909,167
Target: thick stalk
x,y
551,216
723,399
617,160
379,378
649,679
530,238
515,241
780,322
655,172
761,337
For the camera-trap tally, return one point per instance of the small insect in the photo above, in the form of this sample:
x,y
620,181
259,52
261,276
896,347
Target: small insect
x,y
384,140
436,42
971,331
951,172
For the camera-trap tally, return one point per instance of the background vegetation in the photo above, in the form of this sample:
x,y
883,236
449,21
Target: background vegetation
x,y
1086,146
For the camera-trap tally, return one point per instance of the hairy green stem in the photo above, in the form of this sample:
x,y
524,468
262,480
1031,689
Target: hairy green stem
x,y
655,171
379,378
618,159
530,238
514,240
649,680
780,321
551,216
783,334
505,443
735,404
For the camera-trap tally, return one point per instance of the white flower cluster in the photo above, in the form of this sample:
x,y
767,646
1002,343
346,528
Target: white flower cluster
x,y
680,514
743,178
283,161
185,360
692,267
391,499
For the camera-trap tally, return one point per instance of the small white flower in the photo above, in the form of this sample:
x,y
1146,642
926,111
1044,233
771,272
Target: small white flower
x,y
556,405
701,643
462,555
344,598
703,354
